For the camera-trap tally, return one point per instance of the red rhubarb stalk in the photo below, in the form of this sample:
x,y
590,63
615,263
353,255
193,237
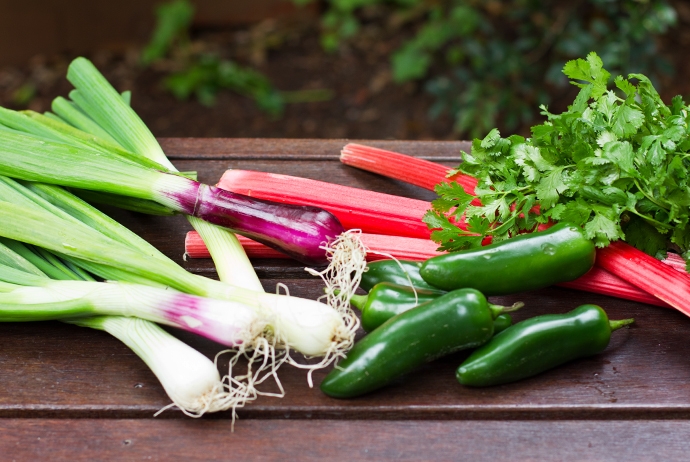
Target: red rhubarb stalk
x,y
647,273
372,212
409,169
600,281
380,246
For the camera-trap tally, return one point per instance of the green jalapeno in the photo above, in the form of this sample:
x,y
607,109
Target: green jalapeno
x,y
386,300
396,272
526,262
502,322
457,320
538,344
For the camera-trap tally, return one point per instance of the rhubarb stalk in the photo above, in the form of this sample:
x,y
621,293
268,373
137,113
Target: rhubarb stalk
x,y
372,212
409,169
647,273
379,247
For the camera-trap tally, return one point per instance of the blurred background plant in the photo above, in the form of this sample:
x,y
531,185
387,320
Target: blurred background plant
x,y
376,69
491,63
199,72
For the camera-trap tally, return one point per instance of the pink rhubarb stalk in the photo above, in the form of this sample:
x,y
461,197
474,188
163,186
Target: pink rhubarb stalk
x,y
372,212
409,169
647,273
380,246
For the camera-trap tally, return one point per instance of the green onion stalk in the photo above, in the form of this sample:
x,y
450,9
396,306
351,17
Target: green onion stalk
x,y
101,103
96,98
297,230
190,379
95,93
310,327
125,159
39,299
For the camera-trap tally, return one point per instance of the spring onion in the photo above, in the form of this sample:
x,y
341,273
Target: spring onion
x,y
103,104
189,378
306,325
311,327
228,323
98,99
96,94
299,231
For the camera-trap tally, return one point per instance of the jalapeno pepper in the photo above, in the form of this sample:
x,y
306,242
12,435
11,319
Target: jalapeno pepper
x,y
502,322
538,344
457,320
527,262
395,271
386,300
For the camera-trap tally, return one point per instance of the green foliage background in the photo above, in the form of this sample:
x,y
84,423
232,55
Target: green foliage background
x,y
203,75
491,63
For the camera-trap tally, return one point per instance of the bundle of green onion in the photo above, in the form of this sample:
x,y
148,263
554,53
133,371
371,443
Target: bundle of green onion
x,y
190,379
97,144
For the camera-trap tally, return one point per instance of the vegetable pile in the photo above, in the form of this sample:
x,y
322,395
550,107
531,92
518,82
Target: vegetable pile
x,y
612,168
518,214
95,145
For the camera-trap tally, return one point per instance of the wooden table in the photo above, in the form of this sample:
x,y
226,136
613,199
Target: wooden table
x,y
78,394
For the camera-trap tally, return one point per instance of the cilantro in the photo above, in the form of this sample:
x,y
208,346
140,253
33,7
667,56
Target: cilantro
x,y
615,163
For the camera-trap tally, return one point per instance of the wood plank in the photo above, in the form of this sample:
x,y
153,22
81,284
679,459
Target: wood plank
x,y
62,370
286,149
332,440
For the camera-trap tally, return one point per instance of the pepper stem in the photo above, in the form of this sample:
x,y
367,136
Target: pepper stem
x,y
497,310
358,301
617,324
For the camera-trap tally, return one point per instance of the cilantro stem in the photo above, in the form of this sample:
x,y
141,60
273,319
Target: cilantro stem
x,y
503,194
651,220
648,195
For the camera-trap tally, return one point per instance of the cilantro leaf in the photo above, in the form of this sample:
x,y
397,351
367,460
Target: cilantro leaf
x,y
448,235
621,154
625,85
550,187
451,196
602,228
490,140
590,70
627,121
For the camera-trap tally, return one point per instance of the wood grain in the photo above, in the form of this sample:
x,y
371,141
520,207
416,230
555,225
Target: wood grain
x,y
334,440
298,149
